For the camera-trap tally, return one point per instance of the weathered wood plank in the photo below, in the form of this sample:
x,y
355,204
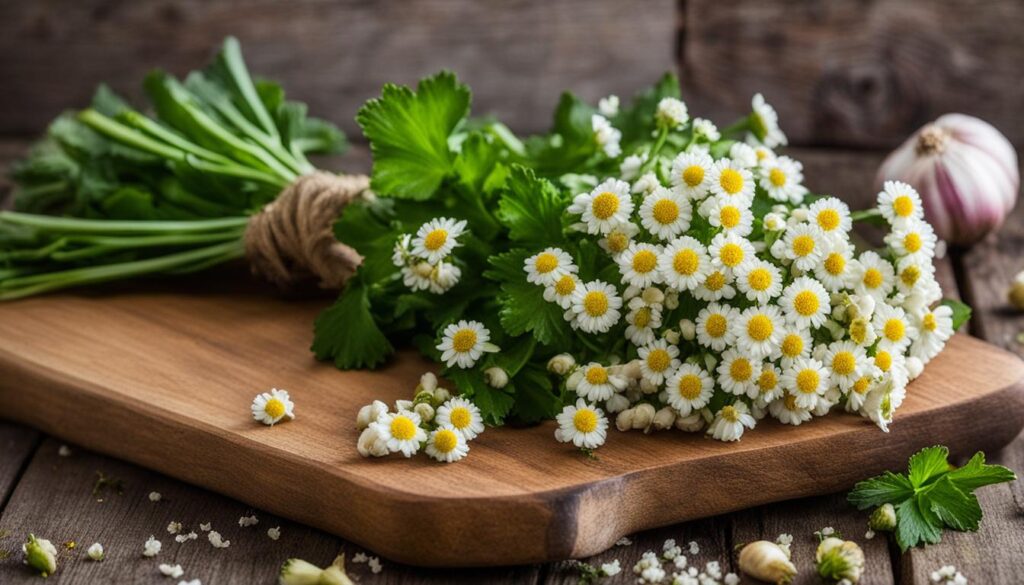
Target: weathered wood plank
x,y
16,444
518,55
855,73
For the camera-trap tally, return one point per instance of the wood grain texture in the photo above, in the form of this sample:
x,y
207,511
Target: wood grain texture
x,y
157,369
518,55
17,444
855,73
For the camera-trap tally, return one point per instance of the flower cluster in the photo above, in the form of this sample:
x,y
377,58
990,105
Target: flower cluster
x,y
434,421
727,292
425,259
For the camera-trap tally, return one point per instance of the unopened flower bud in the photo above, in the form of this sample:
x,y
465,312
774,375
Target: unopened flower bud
x,y
630,370
95,551
423,397
428,382
561,364
643,416
423,269
648,387
672,300
370,413
839,559
425,410
688,329
371,444
617,403
671,336
624,421
767,561
664,419
441,395
653,295
403,405
883,519
914,367
40,554
574,380
800,214
690,424
496,377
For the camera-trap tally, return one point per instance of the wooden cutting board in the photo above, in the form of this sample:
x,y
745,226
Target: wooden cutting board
x,y
165,379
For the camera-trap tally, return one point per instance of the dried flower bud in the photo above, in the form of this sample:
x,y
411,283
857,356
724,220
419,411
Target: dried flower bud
x,y
371,444
672,300
643,416
624,421
441,395
688,329
630,370
496,377
653,296
839,559
664,419
767,561
423,269
95,551
648,387
671,336
370,413
617,403
40,554
690,424
883,519
561,364
425,410
428,382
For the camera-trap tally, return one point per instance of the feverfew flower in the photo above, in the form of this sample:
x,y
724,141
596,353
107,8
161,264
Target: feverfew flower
x,y
795,342
560,292
846,362
437,238
616,241
730,251
831,216
447,444
803,244
914,238
713,331
606,136
598,384
743,155
730,422
152,547
95,551
606,207
639,265
400,431
893,328
764,123
730,216
582,425
836,270
548,266
759,281
691,172
805,302
271,407
595,307
461,414
665,214
769,384
671,113
899,203
658,360
873,276
731,181
706,129
934,328
689,388
684,263
643,319
216,540
807,380
738,373
717,285
464,342
608,106
757,330
786,411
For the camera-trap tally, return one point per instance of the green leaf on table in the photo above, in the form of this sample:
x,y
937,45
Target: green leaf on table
x,y
532,209
915,525
523,308
346,332
977,474
959,510
927,464
408,133
888,488
961,312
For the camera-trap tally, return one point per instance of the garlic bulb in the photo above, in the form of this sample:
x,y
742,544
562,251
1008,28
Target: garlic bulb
x,y
767,561
965,171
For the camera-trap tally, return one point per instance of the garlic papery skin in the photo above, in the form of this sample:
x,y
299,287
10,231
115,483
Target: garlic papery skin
x,y
767,561
965,171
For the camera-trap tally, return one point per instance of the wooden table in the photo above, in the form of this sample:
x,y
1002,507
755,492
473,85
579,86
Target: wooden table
x,y
43,492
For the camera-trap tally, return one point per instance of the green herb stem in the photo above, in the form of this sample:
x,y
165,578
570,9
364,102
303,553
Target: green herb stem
x,y
69,225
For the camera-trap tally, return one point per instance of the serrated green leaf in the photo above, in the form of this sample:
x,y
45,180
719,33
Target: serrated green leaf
x,y
535,398
346,332
523,308
914,525
928,464
408,133
959,510
494,404
513,356
531,208
977,474
961,312
476,161
364,226
888,488
571,141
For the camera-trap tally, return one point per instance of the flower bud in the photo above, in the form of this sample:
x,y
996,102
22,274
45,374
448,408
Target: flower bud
x,y
648,387
688,329
767,561
496,377
441,395
403,405
300,572
664,419
423,269
672,299
629,370
423,397
671,336
643,416
774,222
914,367
95,551
690,424
840,559
561,364
574,380
40,554
653,296
617,403
425,410
624,421
428,382
1016,293
883,519
371,444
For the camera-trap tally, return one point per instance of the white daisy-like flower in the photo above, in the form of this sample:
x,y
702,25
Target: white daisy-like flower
x,y
271,407
934,328
794,342
859,391
773,222
618,240
846,362
731,216
671,113
899,202
706,129
729,180
606,207
806,303
437,238
806,379
764,123
760,281
804,245
730,251
787,412
769,384
738,372
401,253
892,366
546,267
895,332
462,415
630,166
691,173
400,431
561,290
446,444
837,270
831,216
913,238
152,547
665,213
608,106
595,307
743,155
684,263
658,360
782,178
417,275
873,275
606,136
582,425
643,319
730,422
464,342
764,154
646,184
713,331
758,330
689,388
639,265
717,285
598,383
913,275
443,277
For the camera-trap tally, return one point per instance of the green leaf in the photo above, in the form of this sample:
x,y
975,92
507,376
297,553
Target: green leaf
x,y
346,333
513,356
927,464
914,525
888,488
523,308
571,141
408,133
364,226
531,209
535,399
959,510
476,161
494,404
977,474
961,312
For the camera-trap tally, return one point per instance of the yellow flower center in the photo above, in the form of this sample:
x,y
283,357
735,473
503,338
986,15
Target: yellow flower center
x,y
740,369
690,386
792,345
903,206
929,322
767,381
803,245
605,205
862,385
460,417
693,175
665,211
565,285
716,325
402,428
445,441
731,255
761,154
658,360
912,242
894,330
790,402
872,278
807,381
463,340
844,363
731,181
730,413
617,242
859,330
835,264
545,262
274,408
642,318
585,421
759,279
715,281
760,327
910,275
597,375
435,239
883,360
828,219
644,261
595,303
686,262
729,216
777,177
806,303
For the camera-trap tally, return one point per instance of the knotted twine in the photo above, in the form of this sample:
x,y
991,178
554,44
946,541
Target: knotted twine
x,y
291,239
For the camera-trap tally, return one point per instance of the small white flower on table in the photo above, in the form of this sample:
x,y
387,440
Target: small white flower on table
x,y
271,407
